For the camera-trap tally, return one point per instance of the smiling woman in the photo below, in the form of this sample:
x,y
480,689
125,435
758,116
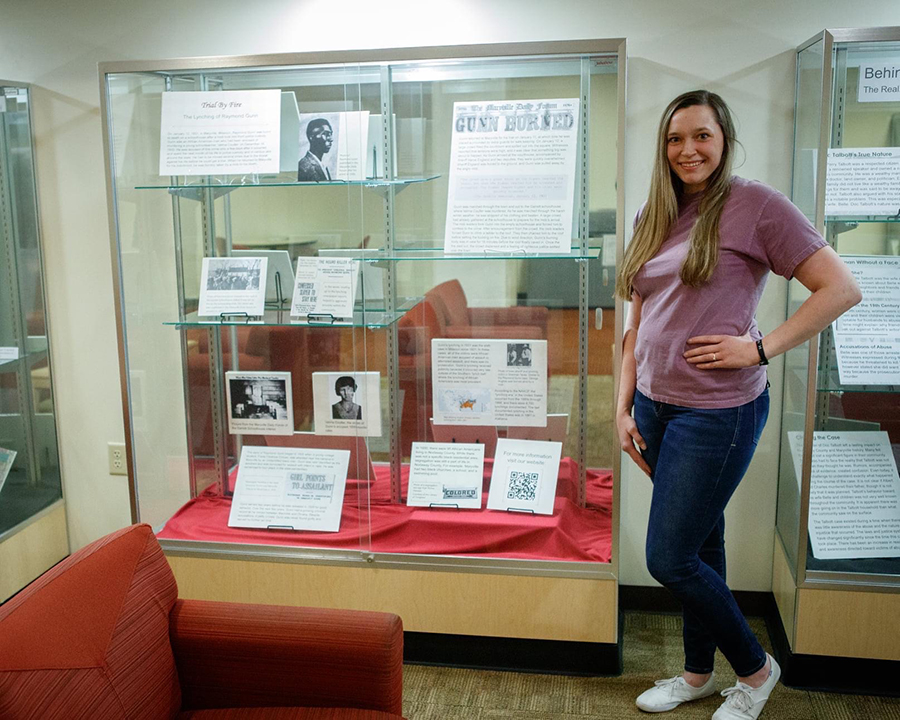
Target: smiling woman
x,y
693,369
694,146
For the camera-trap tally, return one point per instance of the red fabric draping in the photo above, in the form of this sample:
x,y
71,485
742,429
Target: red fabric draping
x,y
370,521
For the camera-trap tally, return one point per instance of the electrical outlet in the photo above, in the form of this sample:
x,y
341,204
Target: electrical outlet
x,y
117,465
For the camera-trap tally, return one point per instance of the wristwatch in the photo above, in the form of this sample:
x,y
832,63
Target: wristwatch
x,y
763,360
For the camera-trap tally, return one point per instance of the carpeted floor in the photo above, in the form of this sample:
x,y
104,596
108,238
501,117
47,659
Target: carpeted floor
x,y
652,646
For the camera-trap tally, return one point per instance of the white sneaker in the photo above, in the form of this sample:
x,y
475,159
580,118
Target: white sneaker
x,y
744,702
668,694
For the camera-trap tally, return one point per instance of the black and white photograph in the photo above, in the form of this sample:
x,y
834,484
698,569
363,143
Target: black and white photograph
x,y
518,355
230,285
259,403
347,403
346,408
319,140
234,274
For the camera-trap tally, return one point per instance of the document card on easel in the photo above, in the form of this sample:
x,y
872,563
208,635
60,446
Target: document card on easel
x,y
446,475
231,132
524,476
7,457
512,176
232,286
325,287
283,488
489,382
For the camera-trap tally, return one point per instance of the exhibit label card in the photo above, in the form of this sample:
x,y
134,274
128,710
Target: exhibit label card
x,y
8,456
333,146
233,286
259,403
289,488
231,132
524,476
879,82
867,337
8,354
863,181
347,403
854,494
512,177
325,286
446,475
489,382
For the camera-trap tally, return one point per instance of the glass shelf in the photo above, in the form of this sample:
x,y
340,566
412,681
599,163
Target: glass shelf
x,y
30,358
372,319
281,181
437,253
863,218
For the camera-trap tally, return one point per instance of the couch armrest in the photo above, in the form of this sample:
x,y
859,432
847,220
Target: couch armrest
x,y
237,655
412,340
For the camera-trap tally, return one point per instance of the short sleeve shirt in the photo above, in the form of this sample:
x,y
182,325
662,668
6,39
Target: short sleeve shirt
x,y
760,230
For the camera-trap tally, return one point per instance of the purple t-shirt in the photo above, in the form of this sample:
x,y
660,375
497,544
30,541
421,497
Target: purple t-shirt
x,y
760,230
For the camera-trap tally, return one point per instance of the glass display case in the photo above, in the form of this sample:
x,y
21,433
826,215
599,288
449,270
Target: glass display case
x,y
838,517
29,458
504,342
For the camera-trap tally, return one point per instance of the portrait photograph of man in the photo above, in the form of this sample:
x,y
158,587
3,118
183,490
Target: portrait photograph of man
x,y
318,147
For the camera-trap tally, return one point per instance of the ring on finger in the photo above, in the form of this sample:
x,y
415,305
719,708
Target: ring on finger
x,y
714,357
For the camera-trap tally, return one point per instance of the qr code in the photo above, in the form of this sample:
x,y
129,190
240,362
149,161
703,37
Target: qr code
x,y
522,485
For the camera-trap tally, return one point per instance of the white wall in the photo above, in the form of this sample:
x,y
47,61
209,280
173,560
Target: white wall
x,y
743,50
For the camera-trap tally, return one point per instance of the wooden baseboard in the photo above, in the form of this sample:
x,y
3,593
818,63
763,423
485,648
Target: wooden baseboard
x,y
658,599
514,654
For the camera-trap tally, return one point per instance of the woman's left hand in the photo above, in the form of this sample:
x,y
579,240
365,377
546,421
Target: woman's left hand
x,y
719,352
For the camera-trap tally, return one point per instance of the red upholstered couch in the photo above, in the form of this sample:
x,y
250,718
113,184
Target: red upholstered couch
x,y
103,636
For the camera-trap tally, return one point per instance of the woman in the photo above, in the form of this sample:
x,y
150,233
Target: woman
x,y
345,408
693,371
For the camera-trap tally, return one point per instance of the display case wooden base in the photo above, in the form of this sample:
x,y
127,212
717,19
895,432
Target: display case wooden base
x,y
844,623
485,606
28,552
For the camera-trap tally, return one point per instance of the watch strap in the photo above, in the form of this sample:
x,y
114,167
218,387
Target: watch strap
x,y
763,360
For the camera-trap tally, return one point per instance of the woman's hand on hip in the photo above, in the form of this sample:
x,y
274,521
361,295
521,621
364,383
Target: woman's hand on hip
x,y
630,439
720,352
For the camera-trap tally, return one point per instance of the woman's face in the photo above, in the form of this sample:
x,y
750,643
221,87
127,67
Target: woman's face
x,y
694,146
346,393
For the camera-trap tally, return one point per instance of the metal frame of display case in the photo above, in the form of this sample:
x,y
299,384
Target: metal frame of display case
x,y
830,135
382,58
24,387
11,281
38,541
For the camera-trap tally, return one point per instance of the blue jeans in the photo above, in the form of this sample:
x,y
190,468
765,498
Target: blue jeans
x,y
697,458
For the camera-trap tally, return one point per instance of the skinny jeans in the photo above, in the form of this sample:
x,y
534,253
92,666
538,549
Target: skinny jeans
x,y
697,459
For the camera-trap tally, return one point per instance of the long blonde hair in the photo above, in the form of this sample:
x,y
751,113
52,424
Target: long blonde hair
x,y
661,211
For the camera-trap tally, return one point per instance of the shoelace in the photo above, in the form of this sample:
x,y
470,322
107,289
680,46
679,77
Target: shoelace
x,y
669,684
738,697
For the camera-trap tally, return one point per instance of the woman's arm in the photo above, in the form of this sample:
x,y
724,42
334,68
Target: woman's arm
x,y
625,424
834,291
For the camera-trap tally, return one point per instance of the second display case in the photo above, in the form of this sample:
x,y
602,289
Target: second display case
x,y
837,565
